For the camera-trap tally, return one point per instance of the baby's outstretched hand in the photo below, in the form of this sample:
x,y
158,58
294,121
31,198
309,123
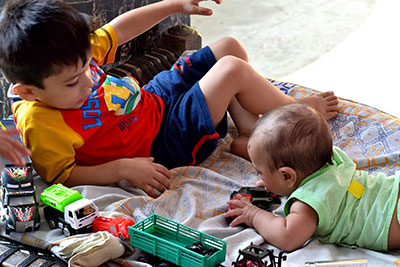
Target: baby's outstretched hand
x,y
151,177
242,210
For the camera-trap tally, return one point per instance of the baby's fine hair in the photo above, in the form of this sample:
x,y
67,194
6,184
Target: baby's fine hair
x,y
296,136
39,37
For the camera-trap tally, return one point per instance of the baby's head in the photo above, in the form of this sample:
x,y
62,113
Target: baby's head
x,y
288,144
40,39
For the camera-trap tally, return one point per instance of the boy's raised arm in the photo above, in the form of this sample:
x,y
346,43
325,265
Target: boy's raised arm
x,y
134,22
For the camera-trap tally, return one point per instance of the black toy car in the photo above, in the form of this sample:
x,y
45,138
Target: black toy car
x,y
259,197
253,255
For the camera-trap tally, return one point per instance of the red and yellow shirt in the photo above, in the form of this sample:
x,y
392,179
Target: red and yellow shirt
x,y
119,119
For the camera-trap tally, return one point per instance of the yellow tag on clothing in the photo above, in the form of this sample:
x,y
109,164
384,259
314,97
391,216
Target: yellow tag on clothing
x,y
356,189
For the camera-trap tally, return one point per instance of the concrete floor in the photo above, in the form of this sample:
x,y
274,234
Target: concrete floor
x,y
351,47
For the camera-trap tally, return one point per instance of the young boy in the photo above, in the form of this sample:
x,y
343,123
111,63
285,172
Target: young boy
x,y
86,127
291,149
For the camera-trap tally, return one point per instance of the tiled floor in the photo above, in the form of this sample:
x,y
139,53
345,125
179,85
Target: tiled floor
x,y
349,46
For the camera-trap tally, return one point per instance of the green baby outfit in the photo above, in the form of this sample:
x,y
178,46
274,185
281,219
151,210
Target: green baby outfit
x,y
354,208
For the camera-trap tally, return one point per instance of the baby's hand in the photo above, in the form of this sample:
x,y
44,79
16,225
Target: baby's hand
x,y
152,178
242,210
193,7
11,149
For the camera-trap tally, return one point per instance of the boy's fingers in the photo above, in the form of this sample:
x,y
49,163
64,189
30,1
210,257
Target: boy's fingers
x,y
151,191
198,10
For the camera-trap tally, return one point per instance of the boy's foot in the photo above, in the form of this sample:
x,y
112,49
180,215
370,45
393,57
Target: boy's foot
x,y
326,103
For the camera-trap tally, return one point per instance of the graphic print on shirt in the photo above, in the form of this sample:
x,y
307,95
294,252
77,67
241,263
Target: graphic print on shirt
x,y
121,95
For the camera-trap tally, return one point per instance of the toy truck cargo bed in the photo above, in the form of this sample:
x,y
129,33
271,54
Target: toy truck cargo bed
x,y
171,241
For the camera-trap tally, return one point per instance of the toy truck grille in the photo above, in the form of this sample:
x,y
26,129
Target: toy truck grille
x,y
169,240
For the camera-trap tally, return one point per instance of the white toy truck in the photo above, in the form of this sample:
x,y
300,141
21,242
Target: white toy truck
x,y
68,210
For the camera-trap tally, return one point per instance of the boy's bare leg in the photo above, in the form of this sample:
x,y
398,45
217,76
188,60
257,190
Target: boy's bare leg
x,y
233,83
244,122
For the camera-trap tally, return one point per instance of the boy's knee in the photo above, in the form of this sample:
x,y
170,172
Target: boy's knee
x,y
232,66
231,46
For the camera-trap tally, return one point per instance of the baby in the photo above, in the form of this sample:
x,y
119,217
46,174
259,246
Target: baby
x,y
291,149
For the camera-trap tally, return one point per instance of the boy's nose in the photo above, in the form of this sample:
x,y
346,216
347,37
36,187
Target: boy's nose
x,y
89,80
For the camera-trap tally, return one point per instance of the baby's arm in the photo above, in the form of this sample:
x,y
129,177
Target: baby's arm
x,y
288,233
142,173
134,22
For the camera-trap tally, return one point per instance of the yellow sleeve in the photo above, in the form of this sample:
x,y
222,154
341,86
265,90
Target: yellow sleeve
x,y
50,140
104,43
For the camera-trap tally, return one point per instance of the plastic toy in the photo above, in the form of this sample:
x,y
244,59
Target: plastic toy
x,y
198,247
154,261
115,226
259,197
18,194
253,255
68,210
169,240
21,212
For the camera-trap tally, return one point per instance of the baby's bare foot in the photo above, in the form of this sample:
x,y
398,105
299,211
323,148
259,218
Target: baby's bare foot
x,y
326,103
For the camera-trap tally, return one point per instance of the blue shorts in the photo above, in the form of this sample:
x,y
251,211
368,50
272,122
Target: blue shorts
x,y
187,134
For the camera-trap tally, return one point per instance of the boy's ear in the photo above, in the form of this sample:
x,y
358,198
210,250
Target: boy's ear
x,y
25,91
289,175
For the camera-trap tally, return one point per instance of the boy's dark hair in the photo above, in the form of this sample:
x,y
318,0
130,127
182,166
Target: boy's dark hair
x,y
295,136
37,37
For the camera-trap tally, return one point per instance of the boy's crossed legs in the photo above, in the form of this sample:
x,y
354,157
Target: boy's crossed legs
x,y
233,84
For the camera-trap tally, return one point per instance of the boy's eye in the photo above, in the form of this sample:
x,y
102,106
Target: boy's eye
x,y
72,84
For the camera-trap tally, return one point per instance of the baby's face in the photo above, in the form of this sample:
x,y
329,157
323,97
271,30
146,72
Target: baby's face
x,y
68,89
272,180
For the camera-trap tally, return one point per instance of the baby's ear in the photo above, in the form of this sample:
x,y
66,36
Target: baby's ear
x,y
26,92
289,175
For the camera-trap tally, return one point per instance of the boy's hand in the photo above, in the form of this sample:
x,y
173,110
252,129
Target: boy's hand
x,y
192,7
143,173
243,211
11,149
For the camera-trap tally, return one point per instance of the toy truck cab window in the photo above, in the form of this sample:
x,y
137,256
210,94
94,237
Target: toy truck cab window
x,y
21,201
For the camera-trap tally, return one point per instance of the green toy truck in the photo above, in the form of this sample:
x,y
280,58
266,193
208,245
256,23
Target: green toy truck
x,y
177,243
68,210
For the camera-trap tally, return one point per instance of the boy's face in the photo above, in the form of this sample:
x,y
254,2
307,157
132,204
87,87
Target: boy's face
x,y
273,181
68,89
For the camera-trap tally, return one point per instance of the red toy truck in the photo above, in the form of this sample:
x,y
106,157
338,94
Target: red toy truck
x,y
115,226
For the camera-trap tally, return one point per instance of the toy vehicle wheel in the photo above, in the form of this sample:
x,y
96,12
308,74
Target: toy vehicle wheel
x,y
121,237
143,258
164,264
52,224
7,230
66,231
